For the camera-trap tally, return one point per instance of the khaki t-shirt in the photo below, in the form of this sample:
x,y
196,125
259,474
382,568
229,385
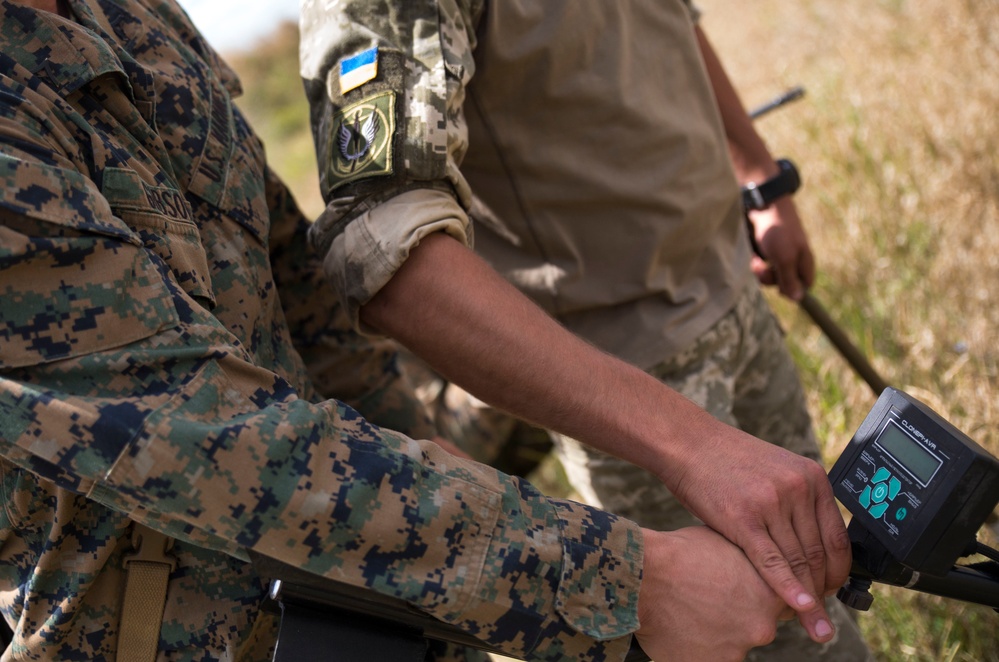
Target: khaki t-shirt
x,y
583,139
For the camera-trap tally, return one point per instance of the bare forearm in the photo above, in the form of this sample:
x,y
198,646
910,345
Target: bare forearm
x,y
449,307
486,336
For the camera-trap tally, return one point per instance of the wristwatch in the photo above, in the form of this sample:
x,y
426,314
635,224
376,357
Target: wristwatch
x,y
760,196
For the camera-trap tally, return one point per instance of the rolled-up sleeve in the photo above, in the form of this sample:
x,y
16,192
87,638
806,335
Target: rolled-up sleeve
x,y
395,130
364,257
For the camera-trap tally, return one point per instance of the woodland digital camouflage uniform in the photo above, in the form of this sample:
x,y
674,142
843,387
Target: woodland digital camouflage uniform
x,y
736,367
158,302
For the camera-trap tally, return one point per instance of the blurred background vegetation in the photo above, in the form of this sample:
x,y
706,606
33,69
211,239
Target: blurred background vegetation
x,y
897,138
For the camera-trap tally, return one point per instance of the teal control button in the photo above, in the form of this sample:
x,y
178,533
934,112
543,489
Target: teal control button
x,y
900,514
880,492
879,509
883,489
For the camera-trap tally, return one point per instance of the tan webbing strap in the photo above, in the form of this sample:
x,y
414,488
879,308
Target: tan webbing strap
x,y
148,572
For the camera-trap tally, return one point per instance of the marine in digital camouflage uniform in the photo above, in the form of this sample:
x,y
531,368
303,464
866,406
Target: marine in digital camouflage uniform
x,y
163,331
585,141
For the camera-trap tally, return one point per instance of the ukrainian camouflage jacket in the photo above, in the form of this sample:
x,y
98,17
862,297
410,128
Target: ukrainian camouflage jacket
x,y
156,301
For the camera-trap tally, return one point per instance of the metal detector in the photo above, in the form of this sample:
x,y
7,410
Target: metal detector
x,y
919,490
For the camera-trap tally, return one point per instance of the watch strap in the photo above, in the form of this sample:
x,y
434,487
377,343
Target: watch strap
x,y
760,196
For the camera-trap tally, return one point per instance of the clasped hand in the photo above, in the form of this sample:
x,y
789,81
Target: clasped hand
x,y
779,509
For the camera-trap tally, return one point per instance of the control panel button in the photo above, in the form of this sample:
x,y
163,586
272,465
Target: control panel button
x,y
877,497
865,498
879,509
880,492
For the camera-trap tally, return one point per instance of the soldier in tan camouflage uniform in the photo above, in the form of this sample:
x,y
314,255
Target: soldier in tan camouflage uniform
x,y
589,142
162,335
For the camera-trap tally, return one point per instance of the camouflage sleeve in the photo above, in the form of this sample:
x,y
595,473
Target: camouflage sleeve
x,y
385,89
360,370
215,450
115,383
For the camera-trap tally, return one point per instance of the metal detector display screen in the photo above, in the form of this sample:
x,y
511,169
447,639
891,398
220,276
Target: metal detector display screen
x,y
909,453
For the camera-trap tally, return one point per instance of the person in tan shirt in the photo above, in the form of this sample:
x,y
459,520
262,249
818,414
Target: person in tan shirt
x,y
590,144
168,351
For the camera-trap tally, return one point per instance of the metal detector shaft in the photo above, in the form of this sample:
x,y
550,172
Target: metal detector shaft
x,y
786,97
961,583
808,303
840,340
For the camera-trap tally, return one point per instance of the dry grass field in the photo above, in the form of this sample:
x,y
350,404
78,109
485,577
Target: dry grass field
x,y
897,139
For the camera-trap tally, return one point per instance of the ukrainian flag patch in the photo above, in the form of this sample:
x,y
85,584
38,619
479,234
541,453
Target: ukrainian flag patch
x,y
358,70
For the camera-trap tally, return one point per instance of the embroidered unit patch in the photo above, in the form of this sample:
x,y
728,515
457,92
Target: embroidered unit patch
x,y
361,144
358,70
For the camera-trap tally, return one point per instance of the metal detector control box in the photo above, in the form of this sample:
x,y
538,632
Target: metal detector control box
x,y
916,483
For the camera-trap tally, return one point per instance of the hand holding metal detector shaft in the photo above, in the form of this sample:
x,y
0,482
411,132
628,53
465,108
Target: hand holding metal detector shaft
x,y
809,303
